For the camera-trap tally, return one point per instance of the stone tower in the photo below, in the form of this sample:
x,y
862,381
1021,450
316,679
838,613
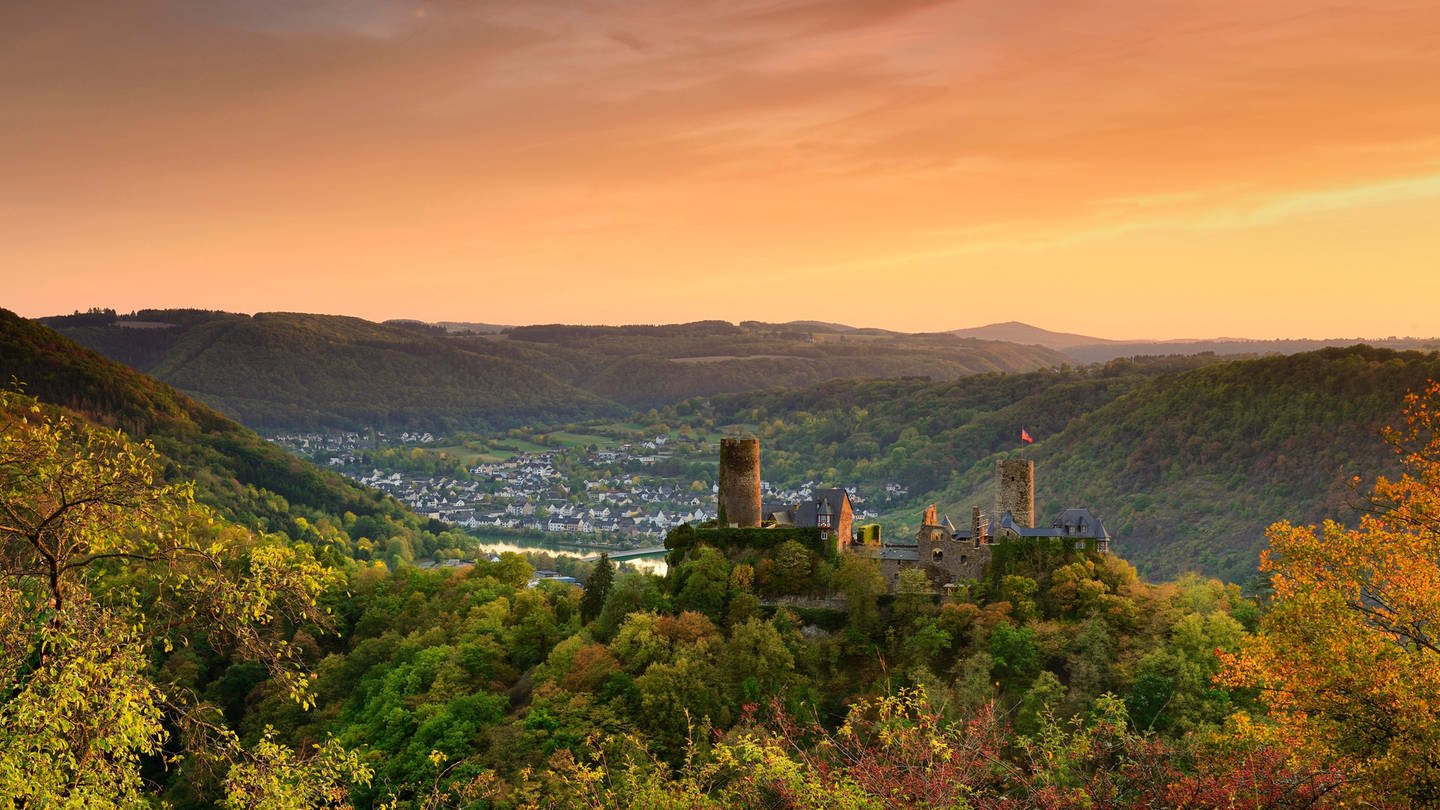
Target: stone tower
x,y
1017,490
739,483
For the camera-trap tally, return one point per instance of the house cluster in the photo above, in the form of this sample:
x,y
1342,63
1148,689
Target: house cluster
x,y
624,494
333,449
342,449
528,492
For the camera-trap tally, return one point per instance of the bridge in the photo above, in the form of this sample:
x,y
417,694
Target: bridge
x,y
631,553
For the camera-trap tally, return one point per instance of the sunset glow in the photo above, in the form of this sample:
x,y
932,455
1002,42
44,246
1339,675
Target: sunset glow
x,y
1121,169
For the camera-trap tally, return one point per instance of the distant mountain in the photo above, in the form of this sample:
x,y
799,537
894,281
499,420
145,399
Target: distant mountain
x,y
1185,459
820,326
468,326
1024,333
1109,350
1086,349
246,478
286,370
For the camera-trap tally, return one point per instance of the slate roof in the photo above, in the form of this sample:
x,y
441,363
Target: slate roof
x,y
1078,523
804,514
892,553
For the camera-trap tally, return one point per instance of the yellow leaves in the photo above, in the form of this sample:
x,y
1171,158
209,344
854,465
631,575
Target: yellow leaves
x,y
1345,659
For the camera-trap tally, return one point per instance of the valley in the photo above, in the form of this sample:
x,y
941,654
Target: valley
x,y
431,604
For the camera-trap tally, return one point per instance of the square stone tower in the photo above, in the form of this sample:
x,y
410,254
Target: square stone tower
x,y
1017,491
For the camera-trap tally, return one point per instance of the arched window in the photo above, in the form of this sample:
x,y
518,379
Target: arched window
x,y
937,555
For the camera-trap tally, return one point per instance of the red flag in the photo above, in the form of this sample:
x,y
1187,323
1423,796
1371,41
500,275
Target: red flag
x,y
1025,436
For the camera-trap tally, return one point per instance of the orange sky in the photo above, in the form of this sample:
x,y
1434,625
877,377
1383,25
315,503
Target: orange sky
x,y
1120,168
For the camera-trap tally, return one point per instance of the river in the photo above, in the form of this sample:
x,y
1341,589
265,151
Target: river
x,y
654,564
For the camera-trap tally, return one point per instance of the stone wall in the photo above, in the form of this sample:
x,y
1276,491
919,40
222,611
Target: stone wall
x,y
946,559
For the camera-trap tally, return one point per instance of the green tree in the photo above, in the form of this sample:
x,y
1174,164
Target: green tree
x,y
1016,658
704,578
102,566
914,597
792,568
632,591
757,660
597,588
859,580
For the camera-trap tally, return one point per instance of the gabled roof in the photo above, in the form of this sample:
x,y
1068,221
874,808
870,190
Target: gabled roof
x,y
1075,522
805,514
1078,523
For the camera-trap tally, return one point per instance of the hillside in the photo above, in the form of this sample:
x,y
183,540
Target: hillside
x,y
284,370
246,478
1189,470
1187,460
646,366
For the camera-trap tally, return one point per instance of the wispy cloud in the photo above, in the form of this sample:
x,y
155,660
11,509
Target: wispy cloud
x,y
757,137
368,18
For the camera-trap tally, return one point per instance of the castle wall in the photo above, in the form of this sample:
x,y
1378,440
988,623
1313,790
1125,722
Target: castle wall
x,y
946,559
890,569
1016,491
739,498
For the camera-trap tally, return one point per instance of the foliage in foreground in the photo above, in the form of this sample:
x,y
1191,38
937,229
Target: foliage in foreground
x,y
101,568
1348,659
145,645
898,751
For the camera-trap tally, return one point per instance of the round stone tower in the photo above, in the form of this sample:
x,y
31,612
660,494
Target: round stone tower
x,y
739,483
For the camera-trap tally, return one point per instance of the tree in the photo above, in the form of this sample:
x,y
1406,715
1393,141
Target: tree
x,y
631,592
792,568
1348,658
861,582
1015,656
597,588
102,565
705,579
71,497
757,661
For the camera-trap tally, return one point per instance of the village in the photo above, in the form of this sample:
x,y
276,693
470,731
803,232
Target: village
x,y
625,497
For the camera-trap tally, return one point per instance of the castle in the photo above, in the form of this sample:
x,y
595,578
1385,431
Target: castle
x,y
946,554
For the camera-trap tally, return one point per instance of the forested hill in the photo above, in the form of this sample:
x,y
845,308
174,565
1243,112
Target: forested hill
x,y
1187,460
282,370
246,478
648,366
1188,471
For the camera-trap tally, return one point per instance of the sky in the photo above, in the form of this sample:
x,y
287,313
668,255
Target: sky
x,y
1116,168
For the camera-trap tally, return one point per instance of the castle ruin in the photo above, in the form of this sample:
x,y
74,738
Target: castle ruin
x,y
947,554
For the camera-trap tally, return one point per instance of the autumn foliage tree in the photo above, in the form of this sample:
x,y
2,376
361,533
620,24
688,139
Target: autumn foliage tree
x,y
102,566
1348,658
